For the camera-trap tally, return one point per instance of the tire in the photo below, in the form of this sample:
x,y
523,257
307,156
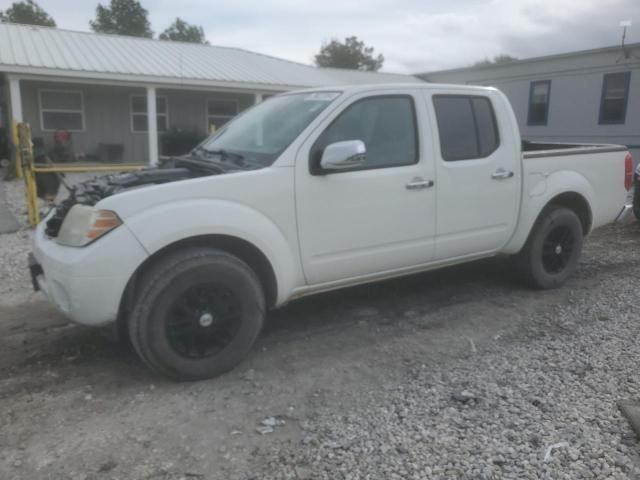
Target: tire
x,y
636,200
552,250
197,314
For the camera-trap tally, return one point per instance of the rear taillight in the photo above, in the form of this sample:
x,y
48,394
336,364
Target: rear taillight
x,y
628,171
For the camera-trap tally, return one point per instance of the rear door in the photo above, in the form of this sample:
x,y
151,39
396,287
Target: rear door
x,y
380,216
478,174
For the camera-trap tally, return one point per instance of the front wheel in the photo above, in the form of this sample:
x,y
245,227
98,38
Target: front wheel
x,y
552,251
197,314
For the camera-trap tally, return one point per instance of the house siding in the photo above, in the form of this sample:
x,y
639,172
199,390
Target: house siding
x,y
107,116
106,119
575,94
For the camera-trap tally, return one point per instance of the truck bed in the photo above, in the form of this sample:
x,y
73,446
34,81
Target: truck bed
x,y
532,149
598,170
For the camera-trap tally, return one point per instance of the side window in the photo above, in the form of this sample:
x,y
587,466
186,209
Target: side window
x,y
61,110
467,127
539,102
220,111
615,94
138,112
386,125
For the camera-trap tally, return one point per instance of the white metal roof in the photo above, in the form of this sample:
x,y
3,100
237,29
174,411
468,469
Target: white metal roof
x,y
364,87
543,58
27,49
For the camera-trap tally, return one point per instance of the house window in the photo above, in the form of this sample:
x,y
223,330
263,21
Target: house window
x,y
615,93
139,113
220,111
61,110
539,102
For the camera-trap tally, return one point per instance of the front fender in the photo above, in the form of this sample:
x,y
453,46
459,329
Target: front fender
x,y
540,189
167,223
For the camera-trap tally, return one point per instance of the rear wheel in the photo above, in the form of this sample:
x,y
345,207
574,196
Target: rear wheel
x,y
552,251
636,200
197,315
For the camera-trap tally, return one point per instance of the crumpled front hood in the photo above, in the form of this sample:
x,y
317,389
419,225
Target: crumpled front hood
x,y
92,191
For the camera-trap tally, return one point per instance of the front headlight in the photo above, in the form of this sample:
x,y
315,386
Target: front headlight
x,y
84,224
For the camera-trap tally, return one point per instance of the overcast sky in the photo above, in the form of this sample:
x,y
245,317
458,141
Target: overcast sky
x,y
413,35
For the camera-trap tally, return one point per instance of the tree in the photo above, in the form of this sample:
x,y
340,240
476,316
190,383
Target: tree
x,y
27,12
124,17
182,31
497,60
352,54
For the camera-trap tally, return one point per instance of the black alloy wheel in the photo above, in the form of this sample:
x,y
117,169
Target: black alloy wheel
x,y
552,250
557,249
203,321
197,313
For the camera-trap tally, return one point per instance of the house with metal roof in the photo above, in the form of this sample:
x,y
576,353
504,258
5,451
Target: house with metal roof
x,y
117,98
590,96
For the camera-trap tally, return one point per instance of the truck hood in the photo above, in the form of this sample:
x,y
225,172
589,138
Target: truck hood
x,y
92,191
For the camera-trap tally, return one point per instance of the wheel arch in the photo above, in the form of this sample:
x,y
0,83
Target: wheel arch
x,y
577,203
553,191
243,249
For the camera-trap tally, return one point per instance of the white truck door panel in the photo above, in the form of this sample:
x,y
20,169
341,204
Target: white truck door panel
x,y
478,173
371,220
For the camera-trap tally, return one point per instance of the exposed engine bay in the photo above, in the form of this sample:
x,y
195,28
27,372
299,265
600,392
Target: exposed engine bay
x,y
172,169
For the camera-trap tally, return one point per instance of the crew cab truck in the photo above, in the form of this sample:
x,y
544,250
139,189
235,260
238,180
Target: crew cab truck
x,y
317,190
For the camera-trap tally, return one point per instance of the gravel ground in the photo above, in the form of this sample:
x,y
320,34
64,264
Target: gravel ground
x,y
497,414
452,374
14,248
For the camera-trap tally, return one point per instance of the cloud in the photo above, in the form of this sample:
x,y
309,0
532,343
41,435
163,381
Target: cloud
x,y
413,35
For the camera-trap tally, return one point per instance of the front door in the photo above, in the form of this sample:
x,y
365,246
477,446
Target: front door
x,y
379,216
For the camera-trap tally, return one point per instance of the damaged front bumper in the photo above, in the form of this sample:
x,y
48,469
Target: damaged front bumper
x,y
86,283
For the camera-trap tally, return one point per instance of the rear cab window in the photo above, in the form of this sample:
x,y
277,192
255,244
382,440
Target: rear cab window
x,y
467,127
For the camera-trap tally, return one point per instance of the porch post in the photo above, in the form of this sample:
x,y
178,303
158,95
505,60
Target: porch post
x,y
152,125
16,98
15,104
257,98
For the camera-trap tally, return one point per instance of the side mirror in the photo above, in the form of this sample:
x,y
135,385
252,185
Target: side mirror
x,y
343,155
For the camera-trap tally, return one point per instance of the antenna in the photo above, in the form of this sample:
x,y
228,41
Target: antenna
x,y
624,24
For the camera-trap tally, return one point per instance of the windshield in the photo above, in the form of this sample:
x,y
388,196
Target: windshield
x,y
262,133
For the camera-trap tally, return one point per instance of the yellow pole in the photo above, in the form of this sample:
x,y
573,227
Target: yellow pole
x,y
16,146
26,156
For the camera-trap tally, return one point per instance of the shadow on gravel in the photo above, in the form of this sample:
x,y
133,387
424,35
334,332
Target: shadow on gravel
x,y
402,300
393,301
58,350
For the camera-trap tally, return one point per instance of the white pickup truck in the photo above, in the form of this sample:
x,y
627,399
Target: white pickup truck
x,y
317,190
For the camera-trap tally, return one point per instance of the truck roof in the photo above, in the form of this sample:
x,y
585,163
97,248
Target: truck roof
x,y
396,86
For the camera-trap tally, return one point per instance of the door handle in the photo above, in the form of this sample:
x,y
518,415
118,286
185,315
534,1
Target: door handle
x,y
501,174
419,183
